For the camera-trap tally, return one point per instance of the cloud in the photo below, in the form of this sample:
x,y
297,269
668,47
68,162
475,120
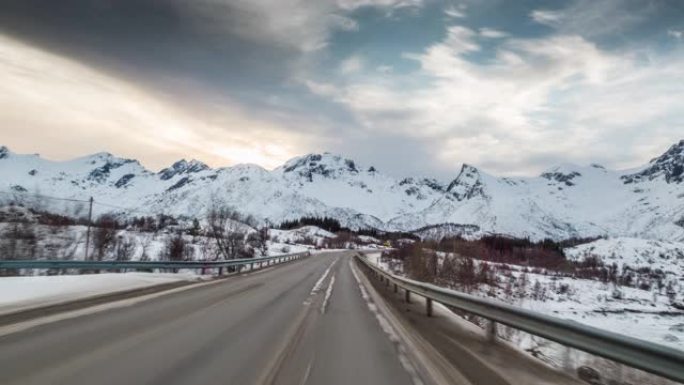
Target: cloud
x,y
675,33
306,27
554,98
354,4
344,23
352,64
591,18
491,33
61,108
261,80
552,18
303,25
455,12
385,69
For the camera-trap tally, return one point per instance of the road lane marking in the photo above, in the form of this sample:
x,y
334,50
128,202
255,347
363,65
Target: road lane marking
x,y
307,373
319,283
328,293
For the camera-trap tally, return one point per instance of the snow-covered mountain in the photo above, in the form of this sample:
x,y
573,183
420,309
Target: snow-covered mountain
x,y
564,201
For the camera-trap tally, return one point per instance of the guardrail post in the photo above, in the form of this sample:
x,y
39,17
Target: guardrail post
x,y
491,331
428,307
396,288
407,296
220,271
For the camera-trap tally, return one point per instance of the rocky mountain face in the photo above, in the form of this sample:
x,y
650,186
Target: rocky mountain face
x,y
564,201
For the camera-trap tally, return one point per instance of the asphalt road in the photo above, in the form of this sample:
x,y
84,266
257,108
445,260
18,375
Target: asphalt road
x,y
302,323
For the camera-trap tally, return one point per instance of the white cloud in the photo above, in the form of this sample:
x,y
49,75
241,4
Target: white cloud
x,y
546,17
455,12
590,18
675,33
385,69
344,23
322,89
354,4
352,64
492,33
60,107
558,96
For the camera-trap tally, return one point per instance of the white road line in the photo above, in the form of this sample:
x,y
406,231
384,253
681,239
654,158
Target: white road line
x,y
328,293
319,283
307,373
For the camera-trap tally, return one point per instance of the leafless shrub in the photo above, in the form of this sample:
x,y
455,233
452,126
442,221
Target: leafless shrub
x,y
226,230
104,236
125,248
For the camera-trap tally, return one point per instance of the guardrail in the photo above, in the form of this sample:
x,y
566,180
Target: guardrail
x,y
657,359
149,265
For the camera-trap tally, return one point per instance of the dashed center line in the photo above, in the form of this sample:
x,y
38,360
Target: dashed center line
x,y
328,293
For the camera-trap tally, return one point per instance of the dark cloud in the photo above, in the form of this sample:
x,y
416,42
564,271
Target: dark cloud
x,y
148,40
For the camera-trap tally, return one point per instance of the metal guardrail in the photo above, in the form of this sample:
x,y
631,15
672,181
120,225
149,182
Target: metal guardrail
x,y
653,358
147,265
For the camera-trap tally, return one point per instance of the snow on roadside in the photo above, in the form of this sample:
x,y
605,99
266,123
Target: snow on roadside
x,y
644,314
17,293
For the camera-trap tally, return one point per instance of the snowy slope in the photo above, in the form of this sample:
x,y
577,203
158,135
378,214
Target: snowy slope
x,y
565,201
633,252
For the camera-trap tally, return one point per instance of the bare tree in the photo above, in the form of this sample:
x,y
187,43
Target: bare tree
x,y
145,243
174,248
226,231
104,236
18,239
259,241
125,247
69,245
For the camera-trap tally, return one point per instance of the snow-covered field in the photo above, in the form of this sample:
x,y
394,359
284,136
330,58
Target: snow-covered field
x,y
17,293
68,242
645,314
634,252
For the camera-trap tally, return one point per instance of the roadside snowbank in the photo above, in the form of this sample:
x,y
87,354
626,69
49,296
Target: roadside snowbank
x,y
17,293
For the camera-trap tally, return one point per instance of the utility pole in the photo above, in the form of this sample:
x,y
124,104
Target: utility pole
x,y
90,220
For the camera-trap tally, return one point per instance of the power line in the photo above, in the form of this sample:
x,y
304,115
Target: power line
x,y
17,194
21,193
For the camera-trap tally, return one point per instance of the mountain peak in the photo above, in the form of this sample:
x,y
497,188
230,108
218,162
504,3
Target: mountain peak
x,y
467,184
104,158
670,166
564,173
182,167
4,152
327,165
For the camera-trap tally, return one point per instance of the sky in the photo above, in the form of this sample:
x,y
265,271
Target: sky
x,y
412,87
